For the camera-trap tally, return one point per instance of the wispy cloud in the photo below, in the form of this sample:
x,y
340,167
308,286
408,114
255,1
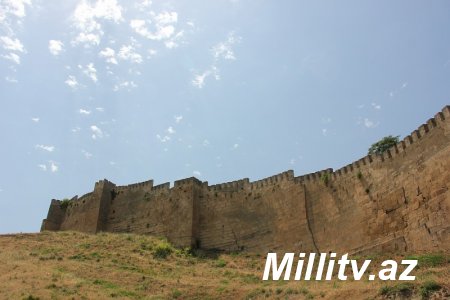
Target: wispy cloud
x,y
124,85
72,82
376,106
55,47
11,79
45,148
86,154
11,44
51,166
163,139
170,130
224,49
12,57
97,133
221,51
178,119
90,71
196,173
84,112
369,124
109,55
36,120
128,53
87,17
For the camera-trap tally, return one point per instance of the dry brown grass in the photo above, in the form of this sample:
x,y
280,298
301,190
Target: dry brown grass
x,y
70,265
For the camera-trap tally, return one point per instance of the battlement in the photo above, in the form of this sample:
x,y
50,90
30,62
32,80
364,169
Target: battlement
x,y
398,196
231,186
284,176
144,184
162,187
187,181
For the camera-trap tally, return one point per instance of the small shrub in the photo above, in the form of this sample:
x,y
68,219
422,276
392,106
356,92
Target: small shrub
x,y
403,289
384,144
65,203
176,294
31,297
367,190
428,287
325,178
359,175
162,250
221,263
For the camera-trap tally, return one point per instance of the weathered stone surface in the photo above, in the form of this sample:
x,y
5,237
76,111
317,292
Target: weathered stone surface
x,y
399,201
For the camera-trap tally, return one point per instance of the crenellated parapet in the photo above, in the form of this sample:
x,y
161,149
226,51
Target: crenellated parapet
x,y
232,186
389,201
285,176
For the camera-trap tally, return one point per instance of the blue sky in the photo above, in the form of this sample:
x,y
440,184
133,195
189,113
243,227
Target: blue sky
x,y
220,90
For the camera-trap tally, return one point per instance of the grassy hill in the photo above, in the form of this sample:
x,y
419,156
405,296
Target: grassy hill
x,y
71,265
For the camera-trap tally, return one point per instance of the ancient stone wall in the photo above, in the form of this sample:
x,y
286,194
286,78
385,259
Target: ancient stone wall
x,y
399,201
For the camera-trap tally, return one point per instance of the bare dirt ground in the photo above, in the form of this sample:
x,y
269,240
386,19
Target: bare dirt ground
x,y
71,265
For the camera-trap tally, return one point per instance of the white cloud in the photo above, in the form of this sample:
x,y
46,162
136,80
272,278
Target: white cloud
x,y
11,79
88,39
139,26
90,71
53,167
221,51
292,161
369,124
143,5
72,82
163,24
97,133
163,139
55,47
166,18
125,84
12,57
35,120
128,53
100,109
178,119
15,8
43,167
206,143
170,130
109,55
11,44
235,146
86,154
324,132
391,94
197,173
76,129
84,112
199,80
87,16
405,84
45,148
376,106
224,49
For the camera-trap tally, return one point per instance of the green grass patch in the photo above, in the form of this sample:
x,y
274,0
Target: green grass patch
x,y
429,260
428,287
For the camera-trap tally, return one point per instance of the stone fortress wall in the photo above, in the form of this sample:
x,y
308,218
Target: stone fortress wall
x,y
398,201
